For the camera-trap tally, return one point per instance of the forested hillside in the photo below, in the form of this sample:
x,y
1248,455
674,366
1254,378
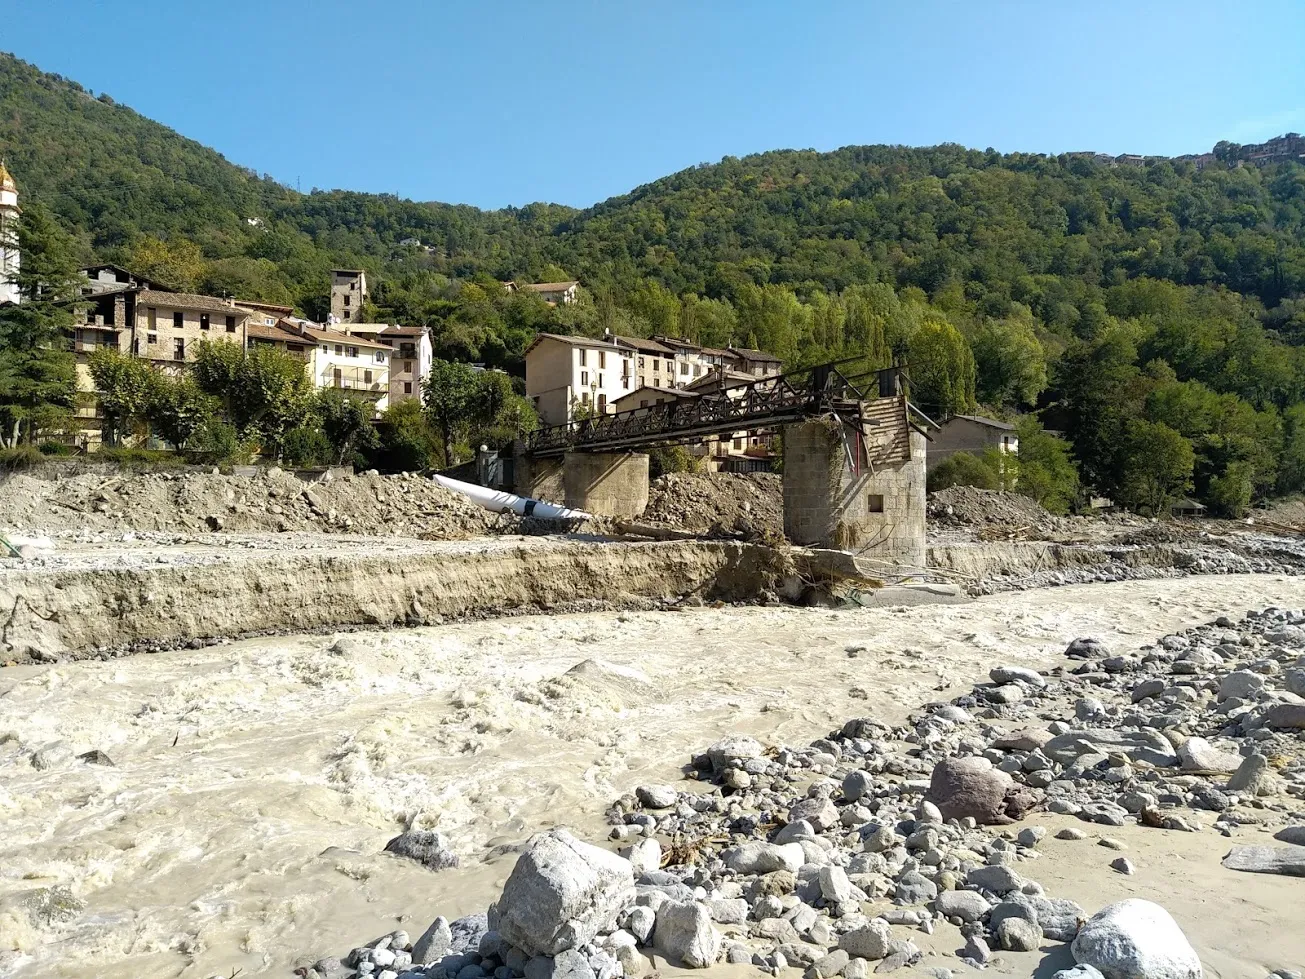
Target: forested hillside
x,y
1153,313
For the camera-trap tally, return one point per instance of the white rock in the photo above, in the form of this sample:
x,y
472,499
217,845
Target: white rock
x,y
870,941
1198,755
685,933
1136,939
756,857
1020,674
562,893
644,856
656,796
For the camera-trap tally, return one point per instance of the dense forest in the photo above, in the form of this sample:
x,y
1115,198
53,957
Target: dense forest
x,y
1153,314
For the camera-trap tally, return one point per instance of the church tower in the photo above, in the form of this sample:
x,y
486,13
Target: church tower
x,y
9,258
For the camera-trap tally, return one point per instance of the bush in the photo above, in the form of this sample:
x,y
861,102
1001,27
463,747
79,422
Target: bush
x,y
1046,468
132,458
215,442
663,459
406,441
962,469
56,449
305,447
23,457
1229,495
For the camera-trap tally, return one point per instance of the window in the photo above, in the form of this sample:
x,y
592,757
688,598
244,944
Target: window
x,y
657,366
684,368
178,349
661,401
407,365
643,402
602,359
347,298
178,320
380,356
135,346
640,363
339,350
602,404
584,379
407,387
670,367
657,382
353,351
231,324
367,377
583,355
874,504
738,443
151,338
203,321
153,316
625,382
584,398
600,380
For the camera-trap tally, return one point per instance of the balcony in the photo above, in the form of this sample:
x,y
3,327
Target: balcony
x,y
358,380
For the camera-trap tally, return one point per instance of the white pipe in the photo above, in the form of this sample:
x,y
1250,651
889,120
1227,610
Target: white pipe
x,y
498,501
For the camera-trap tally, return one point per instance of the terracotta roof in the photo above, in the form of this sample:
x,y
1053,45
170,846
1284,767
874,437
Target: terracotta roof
x,y
260,332
267,307
548,286
986,422
319,334
676,392
730,379
573,341
404,331
748,353
650,346
188,300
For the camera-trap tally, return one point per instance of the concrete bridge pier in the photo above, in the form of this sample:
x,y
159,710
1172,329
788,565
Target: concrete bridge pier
x,y
606,484
858,488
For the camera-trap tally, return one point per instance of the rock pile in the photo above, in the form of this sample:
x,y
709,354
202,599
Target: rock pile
x,y
272,500
975,507
832,857
751,504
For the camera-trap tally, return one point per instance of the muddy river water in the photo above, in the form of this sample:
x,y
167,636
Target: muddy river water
x,y
255,784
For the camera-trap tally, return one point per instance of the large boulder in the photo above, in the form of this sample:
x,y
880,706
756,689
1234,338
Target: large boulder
x,y
1149,746
685,933
727,752
426,847
962,787
757,857
1136,939
562,893
1199,755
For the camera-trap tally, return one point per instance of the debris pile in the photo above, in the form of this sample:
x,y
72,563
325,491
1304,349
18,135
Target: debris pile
x,y
750,504
271,500
969,506
834,857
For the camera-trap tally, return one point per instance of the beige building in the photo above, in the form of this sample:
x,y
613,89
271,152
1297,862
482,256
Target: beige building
x,y
348,294
411,355
169,326
553,293
355,365
970,433
654,363
564,373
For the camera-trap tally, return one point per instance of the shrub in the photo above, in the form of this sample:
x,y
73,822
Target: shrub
x,y
962,469
305,447
56,449
406,441
215,442
133,458
22,457
663,459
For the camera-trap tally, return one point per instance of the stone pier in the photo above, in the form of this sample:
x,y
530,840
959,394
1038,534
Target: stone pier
x,y
858,488
606,484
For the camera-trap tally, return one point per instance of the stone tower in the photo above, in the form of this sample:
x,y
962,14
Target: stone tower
x,y
9,258
348,293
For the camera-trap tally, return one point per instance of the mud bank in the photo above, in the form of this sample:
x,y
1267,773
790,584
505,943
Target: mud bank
x,y
147,594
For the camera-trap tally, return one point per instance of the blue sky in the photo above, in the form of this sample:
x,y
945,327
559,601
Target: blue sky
x,y
495,103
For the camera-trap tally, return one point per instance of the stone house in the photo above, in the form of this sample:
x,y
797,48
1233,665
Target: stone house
x,y
970,433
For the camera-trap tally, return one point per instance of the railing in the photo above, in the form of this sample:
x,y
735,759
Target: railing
x,y
773,400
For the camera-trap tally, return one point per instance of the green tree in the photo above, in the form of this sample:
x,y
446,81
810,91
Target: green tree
x,y
177,409
1010,364
125,388
450,400
264,392
1046,467
941,368
406,442
962,469
38,375
1156,464
176,263
346,422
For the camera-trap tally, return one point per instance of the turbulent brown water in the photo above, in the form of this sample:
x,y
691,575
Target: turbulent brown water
x,y
256,784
